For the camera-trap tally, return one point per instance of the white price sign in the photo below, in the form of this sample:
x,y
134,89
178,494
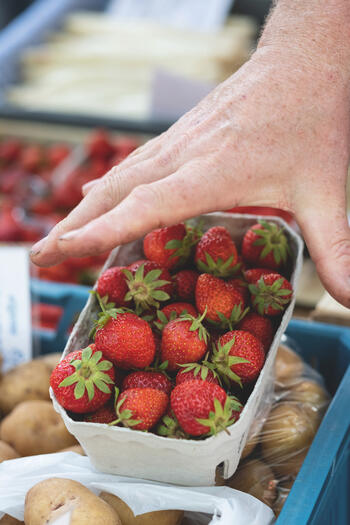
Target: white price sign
x,y
15,316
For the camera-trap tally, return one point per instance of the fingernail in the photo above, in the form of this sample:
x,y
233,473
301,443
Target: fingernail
x,y
37,248
86,187
69,235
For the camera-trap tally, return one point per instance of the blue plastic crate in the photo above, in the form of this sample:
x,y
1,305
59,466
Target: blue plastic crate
x,y
320,494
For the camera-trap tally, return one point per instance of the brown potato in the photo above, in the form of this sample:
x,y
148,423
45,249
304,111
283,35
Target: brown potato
x,y
50,360
250,446
51,498
288,366
78,449
9,520
285,438
25,382
34,427
256,478
7,452
309,393
160,517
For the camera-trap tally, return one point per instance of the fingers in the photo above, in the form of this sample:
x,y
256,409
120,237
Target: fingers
x,y
184,194
324,224
102,196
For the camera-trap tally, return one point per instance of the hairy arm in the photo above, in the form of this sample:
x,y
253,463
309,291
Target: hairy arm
x,y
276,133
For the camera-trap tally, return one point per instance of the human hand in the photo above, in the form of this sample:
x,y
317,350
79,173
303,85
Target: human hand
x,y
275,134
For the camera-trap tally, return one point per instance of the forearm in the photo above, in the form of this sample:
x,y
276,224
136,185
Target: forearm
x,y
318,30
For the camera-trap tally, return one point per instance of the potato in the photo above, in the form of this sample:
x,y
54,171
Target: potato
x,y
160,517
250,445
25,382
8,520
50,360
34,427
51,498
288,366
7,452
75,448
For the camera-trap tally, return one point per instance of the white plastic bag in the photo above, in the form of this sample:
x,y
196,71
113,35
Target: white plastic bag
x,y
225,505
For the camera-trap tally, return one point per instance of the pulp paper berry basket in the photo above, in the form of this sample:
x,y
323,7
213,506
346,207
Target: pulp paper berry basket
x,y
320,494
123,451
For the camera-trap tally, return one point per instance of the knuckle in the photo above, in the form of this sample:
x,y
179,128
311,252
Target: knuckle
x,y
340,248
169,157
146,195
112,186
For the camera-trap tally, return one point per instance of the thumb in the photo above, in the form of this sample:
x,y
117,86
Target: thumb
x,y
326,231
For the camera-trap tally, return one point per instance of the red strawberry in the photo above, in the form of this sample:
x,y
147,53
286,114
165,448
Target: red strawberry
x,y
203,408
99,144
254,274
141,408
196,371
105,414
81,381
170,427
265,244
216,253
237,283
173,311
56,154
112,283
124,338
185,284
170,246
9,150
239,356
224,305
184,340
125,145
144,379
259,326
148,284
31,158
271,294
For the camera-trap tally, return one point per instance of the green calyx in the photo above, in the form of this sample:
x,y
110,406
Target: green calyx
x,y
269,295
183,247
223,361
145,290
218,268
124,416
163,320
108,311
89,374
200,370
220,418
272,239
170,427
196,325
228,323
236,405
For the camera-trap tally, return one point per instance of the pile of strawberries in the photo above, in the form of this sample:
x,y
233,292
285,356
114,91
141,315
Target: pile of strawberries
x,y
182,334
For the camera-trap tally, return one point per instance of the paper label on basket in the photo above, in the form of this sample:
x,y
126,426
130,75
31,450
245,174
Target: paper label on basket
x,y
15,320
190,14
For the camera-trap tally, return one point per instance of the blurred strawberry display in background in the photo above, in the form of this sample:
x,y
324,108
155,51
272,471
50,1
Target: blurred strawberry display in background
x,y
37,191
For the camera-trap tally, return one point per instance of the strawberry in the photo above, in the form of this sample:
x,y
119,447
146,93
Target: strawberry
x,y
216,253
173,311
9,150
192,371
265,244
125,145
124,338
140,408
170,246
203,408
105,414
184,340
56,154
143,379
31,158
259,326
112,283
147,284
239,356
81,380
170,427
271,294
237,283
224,305
99,145
185,284
254,274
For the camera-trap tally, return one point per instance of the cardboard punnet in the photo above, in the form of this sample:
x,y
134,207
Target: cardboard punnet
x,y
127,452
